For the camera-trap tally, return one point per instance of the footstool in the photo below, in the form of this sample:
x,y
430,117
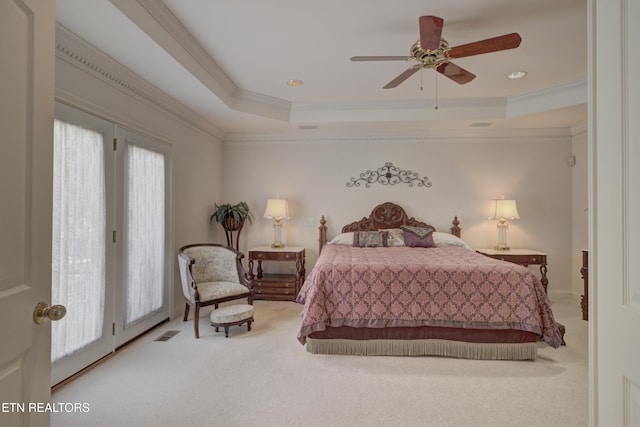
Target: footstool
x,y
230,315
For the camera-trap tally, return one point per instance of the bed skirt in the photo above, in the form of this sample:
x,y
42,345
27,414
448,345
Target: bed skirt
x,y
426,347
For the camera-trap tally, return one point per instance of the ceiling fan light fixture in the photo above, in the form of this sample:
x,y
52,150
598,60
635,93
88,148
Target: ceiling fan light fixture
x,y
432,51
516,75
295,82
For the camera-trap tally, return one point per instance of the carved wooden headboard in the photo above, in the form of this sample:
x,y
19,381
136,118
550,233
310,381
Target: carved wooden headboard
x,y
385,215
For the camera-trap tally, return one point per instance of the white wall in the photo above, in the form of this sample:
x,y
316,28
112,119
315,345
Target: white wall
x,y
466,172
196,155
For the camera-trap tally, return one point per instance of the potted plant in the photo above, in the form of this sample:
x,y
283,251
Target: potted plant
x,y
232,217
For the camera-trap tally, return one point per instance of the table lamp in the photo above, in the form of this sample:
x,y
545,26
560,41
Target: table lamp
x,y
277,209
502,210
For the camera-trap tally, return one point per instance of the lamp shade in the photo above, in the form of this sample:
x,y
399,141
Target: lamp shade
x,y
277,209
501,208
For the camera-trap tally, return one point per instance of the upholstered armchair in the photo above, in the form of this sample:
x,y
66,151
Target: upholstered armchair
x,y
211,274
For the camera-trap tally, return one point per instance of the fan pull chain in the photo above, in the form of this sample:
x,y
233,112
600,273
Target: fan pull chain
x,y
421,88
436,107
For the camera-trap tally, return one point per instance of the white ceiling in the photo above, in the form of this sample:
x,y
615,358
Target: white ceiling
x,y
229,61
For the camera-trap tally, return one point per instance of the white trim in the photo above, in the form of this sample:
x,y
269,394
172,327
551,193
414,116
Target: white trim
x,y
166,30
443,136
561,96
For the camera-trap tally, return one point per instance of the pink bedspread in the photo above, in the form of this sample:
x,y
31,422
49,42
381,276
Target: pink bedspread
x,y
399,286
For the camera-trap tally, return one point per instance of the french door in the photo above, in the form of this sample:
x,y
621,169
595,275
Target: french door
x,y
143,247
109,238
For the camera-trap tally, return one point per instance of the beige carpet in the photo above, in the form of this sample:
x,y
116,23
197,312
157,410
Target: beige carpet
x,y
266,378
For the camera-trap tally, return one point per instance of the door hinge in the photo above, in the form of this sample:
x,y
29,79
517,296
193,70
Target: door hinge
x,y
114,236
113,329
115,144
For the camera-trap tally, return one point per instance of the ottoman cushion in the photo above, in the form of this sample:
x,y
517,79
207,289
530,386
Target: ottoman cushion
x,y
231,314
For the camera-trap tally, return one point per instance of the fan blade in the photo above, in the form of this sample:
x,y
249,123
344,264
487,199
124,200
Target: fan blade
x,y
455,73
380,58
402,77
495,44
430,32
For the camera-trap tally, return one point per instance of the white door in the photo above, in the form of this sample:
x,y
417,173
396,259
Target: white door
x,y
83,251
27,34
615,213
143,242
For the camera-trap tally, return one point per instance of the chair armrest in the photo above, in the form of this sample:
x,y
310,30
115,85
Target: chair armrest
x,y
242,273
185,263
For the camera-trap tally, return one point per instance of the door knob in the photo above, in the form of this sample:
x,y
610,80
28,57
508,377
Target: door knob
x,y
43,311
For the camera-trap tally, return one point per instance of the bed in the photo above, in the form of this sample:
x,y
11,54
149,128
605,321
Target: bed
x,y
428,293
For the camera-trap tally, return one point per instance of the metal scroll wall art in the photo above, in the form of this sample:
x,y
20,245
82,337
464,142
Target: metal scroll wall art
x,y
389,175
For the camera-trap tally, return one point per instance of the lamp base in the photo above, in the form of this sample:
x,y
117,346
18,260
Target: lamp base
x,y
277,232
502,236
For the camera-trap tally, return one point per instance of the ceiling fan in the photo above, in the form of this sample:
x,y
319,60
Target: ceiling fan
x,y
433,51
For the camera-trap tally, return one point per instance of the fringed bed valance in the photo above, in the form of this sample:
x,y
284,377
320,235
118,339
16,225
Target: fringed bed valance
x,y
431,347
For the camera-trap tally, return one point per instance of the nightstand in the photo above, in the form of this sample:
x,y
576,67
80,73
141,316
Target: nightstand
x,y
523,257
276,287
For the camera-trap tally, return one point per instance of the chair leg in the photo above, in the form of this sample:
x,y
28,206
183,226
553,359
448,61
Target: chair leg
x,y
226,331
196,320
186,312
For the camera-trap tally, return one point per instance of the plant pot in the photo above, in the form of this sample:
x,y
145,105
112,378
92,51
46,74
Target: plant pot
x,y
230,223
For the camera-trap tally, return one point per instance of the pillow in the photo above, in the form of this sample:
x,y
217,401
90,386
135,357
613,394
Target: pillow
x,y
370,239
394,237
417,237
342,239
446,239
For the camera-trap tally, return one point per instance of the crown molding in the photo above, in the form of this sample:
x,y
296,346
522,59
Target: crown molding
x,y
551,98
167,30
581,130
552,135
75,51
270,107
402,111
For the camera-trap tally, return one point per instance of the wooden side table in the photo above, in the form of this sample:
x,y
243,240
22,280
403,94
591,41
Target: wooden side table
x,y
523,257
276,287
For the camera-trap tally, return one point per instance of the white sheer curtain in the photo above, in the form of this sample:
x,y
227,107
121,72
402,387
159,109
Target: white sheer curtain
x,y
79,232
145,224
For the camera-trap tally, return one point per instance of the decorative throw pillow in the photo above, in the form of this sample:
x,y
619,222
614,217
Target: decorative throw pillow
x,y
417,237
445,239
394,237
370,239
342,239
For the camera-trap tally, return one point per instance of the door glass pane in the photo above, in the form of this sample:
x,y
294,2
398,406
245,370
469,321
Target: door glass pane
x,y
79,232
145,225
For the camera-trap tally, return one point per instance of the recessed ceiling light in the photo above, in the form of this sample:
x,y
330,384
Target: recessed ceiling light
x,y
517,75
295,82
